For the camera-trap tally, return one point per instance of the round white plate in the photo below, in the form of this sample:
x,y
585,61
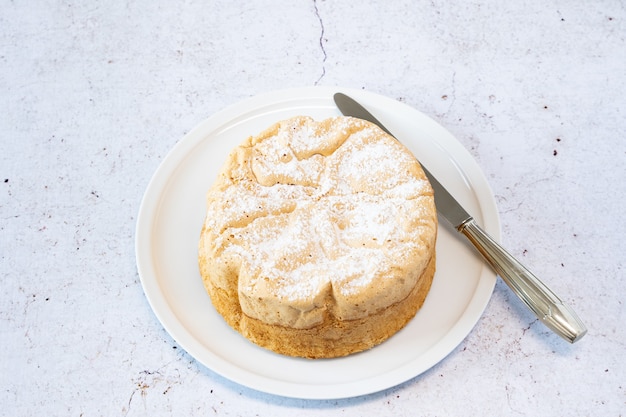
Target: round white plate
x,y
173,210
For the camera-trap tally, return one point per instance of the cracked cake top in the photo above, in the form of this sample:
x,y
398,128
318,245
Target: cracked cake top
x,y
308,216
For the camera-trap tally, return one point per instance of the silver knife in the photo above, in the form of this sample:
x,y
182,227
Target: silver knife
x,y
548,308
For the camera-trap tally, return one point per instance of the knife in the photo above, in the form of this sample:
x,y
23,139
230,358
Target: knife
x,y
548,308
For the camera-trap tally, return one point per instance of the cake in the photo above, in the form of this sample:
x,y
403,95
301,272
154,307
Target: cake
x,y
319,237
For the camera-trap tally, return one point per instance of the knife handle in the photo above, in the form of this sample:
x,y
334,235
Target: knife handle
x,y
550,310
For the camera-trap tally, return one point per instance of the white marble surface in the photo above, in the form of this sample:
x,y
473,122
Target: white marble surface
x,y
94,94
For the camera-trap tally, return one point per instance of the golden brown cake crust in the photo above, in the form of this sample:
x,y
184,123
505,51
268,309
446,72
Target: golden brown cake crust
x,y
333,338
319,239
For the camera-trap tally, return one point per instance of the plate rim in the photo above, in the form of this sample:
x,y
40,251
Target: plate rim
x,y
187,341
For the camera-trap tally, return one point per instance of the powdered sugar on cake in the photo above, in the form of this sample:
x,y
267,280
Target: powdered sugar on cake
x,y
318,208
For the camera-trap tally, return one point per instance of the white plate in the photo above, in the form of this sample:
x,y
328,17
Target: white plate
x,y
172,213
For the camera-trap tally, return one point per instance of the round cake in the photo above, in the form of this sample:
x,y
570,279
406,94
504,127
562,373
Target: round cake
x,y
319,238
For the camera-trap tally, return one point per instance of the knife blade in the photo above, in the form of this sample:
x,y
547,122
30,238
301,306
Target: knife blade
x,y
544,303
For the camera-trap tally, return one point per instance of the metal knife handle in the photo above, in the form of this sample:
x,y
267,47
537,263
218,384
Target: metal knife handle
x,y
536,295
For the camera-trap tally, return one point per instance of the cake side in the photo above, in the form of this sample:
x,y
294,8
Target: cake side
x,y
331,338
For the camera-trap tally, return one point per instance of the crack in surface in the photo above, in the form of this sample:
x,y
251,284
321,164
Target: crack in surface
x,y
321,42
